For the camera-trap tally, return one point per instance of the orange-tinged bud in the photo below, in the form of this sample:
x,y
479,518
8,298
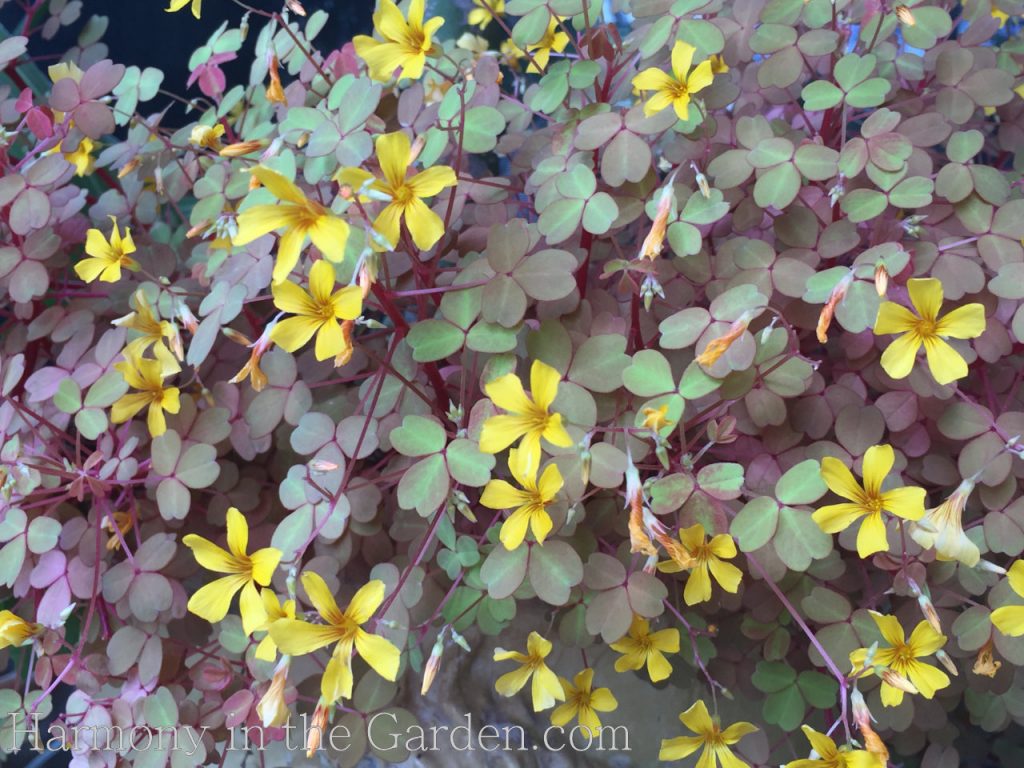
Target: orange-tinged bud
x,y
295,7
123,521
433,664
905,15
829,310
639,541
367,274
947,662
718,346
873,743
254,183
881,279
319,466
240,148
128,167
316,728
679,554
417,146
198,229
985,664
655,240
275,91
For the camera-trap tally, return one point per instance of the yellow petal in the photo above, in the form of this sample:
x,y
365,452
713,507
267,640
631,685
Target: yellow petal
x,y
279,186
837,517
727,575
658,667
898,358
348,302
679,747
546,689
696,718
840,480
698,586
389,22
366,601
209,555
379,653
238,533
894,318
926,296
89,269
512,682
701,77
925,640
393,151
337,680
871,537
155,420
250,606
296,638
500,494
890,627
737,731
212,601
513,530
321,598
259,220
550,483
540,524
1009,620
555,433
263,563
507,393
907,502
653,79
128,405
659,102
682,59
288,249
878,461
1016,577
544,382
293,332
329,234
288,297
944,362
966,322
424,225
330,340
321,282
821,743
429,182
926,678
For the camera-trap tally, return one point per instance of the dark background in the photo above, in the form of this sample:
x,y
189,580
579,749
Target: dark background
x,y
142,33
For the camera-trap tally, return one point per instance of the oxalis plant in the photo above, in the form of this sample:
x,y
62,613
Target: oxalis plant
x,y
614,360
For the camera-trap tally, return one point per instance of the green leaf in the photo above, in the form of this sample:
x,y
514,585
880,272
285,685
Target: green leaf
x,y
599,363
802,484
560,219
915,192
649,374
482,128
503,571
554,570
820,690
600,213
684,328
820,95
778,187
466,463
755,524
424,486
434,340
773,676
799,541
418,436
863,204
723,481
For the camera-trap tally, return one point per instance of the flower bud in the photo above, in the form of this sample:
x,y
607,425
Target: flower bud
x,y
320,466
240,148
897,681
275,91
128,167
905,15
316,728
881,279
433,664
985,664
272,708
295,7
947,662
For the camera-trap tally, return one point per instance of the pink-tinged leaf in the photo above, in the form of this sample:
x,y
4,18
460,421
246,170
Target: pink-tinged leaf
x,y
871,9
24,101
51,566
236,708
212,82
55,600
101,78
29,281
213,675
11,48
40,123
149,594
65,95
94,119
30,211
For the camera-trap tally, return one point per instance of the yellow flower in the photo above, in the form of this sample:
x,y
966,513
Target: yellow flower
x,y
554,40
529,502
718,65
298,216
344,628
82,157
481,16
473,43
710,736
244,571
942,529
406,43
511,53
394,153
147,376
177,5
675,90
272,709
655,419
1001,16
527,418
15,631
152,333
260,347
317,312
207,136
929,330
267,649
902,657
830,756
107,257
640,646
1010,618
546,689
868,501
709,556
583,703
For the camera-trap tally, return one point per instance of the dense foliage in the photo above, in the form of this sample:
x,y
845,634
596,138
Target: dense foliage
x,y
673,345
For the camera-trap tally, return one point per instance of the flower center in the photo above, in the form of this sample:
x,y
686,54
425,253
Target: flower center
x,y
679,91
325,310
926,327
403,195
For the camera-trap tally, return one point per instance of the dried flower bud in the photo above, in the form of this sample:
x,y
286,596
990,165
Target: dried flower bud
x,y
905,15
653,243
718,346
985,664
128,167
828,311
275,91
272,708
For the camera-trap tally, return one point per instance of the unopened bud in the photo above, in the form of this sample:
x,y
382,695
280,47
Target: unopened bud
x,y
295,7
662,453
316,728
897,681
417,146
198,229
272,709
881,279
128,167
240,148
433,664
947,662
319,466
985,565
